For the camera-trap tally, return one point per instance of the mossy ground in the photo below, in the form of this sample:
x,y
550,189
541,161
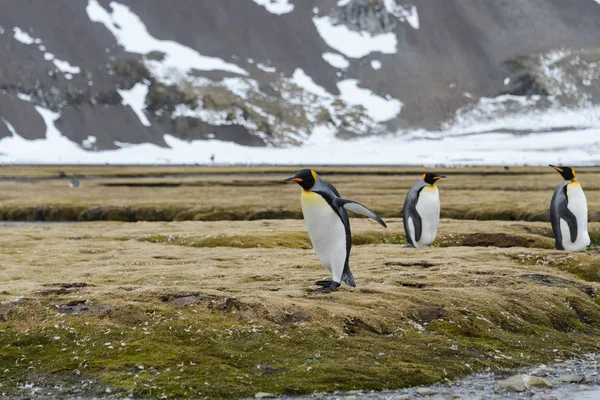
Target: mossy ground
x,y
225,309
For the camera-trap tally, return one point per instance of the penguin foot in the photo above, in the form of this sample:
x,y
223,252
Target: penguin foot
x,y
324,283
332,287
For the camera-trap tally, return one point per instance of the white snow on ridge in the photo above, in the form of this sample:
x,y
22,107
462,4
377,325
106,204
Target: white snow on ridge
x,y
342,3
403,14
23,36
354,44
278,7
379,108
136,99
131,33
336,60
376,64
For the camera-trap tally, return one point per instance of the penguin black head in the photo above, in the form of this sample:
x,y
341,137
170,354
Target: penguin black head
x,y
567,172
305,178
431,178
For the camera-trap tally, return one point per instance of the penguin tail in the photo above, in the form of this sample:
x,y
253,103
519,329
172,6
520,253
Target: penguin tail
x,y
348,278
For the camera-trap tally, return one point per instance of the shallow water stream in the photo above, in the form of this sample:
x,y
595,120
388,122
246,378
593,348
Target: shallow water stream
x,y
487,386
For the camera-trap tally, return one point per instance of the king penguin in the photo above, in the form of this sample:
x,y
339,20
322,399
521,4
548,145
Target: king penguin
x,y
569,213
421,211
328,225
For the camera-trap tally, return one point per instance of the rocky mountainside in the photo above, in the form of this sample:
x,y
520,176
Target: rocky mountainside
x,y
109,74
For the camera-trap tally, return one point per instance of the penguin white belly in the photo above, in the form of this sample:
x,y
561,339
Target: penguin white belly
x,y
428,207
578,206
326,231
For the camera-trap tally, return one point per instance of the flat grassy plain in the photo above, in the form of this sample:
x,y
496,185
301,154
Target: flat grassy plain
x,y
210,293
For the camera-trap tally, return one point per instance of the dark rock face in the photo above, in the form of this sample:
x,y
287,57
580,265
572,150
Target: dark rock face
x,y
460,46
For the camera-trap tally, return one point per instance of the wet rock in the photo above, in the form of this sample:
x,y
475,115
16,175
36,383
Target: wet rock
x,y
514,383
548,397
571,378
426,391
536,381
264,395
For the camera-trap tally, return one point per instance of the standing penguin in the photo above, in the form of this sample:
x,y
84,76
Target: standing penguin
x,y
328,225
569,213
421,211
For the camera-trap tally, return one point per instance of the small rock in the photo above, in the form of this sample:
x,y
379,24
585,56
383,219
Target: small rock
x,y
354,392
548,397
350,398
263,395
400,397
571,378
425,391
590,379
536,381
514,383
583,387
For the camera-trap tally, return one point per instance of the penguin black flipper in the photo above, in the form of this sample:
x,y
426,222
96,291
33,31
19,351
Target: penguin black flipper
x,y
358,208
410,211
559,210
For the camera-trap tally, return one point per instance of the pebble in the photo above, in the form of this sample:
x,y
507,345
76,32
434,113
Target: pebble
x,y
263,395
513,383
571,378
548,397
536,381
425,391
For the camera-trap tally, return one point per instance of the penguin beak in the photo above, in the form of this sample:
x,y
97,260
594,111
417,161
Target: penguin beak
x,y
439,176
556,168
293,178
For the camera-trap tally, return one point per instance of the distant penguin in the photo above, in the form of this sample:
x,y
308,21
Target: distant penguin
x,y
74,183
328,225
421,211
569,213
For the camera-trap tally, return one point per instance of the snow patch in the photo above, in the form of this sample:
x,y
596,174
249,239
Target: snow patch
x,y
336,60
266,68
306,82
89,142
24,97
375,64
11,128
342,3
136,99
65,67
1,30
507,79
278,7
404,14
131,33
354,44
22,36
379,108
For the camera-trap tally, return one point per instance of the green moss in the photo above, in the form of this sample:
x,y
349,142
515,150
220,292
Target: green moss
x,y
148,349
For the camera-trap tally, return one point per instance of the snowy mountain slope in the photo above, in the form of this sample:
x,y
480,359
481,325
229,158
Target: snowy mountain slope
x,y
96,75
